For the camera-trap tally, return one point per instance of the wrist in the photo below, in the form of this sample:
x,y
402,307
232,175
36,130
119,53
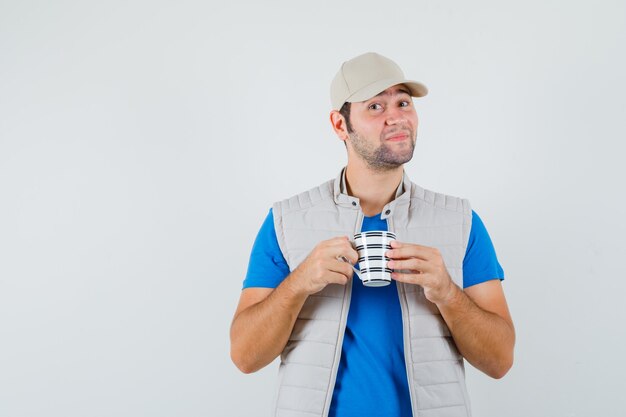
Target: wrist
x,y
293,287
451,295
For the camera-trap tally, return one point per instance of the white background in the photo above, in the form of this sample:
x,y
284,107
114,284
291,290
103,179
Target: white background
x,y
143,142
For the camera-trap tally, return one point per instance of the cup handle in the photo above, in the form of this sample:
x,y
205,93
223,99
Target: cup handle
x,y
356,271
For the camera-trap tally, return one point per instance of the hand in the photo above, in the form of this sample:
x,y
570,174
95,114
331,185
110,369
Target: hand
x,y
422,265
322,266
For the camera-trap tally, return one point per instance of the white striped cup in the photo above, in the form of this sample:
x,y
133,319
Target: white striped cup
x,y
371,247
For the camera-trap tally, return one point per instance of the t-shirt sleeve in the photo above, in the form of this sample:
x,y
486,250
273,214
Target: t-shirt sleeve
x,y
480,263
267,266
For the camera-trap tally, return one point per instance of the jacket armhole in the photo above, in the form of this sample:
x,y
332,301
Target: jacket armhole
x,y
277,211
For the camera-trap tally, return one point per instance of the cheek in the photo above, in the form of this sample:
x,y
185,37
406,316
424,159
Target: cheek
x,y
372,127
414,121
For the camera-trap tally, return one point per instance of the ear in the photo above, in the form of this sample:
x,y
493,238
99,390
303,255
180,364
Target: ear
x,y
339,125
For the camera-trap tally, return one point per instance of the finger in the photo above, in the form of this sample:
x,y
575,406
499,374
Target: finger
x,y
395,244
344,268
398,244
409,251
344,250
337,278
408,278
351,254
345,260
413,264
340,267
349,251
342,243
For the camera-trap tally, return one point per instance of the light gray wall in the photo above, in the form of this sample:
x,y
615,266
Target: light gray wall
x,y
142,143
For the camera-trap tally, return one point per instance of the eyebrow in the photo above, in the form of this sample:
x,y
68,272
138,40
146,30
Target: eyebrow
x,y
398,92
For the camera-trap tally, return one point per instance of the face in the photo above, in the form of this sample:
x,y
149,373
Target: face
x,y
384,129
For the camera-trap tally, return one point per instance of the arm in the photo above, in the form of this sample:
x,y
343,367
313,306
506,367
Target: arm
x,y
262,324
478,318
481,326
265,317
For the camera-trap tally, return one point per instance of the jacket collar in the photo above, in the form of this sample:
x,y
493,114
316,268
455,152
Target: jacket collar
x,y
340,192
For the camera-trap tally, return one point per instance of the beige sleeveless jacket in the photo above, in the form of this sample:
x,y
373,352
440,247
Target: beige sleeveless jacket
x,y
310,359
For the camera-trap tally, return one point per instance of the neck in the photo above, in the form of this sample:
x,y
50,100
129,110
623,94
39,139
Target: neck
x,y
374,189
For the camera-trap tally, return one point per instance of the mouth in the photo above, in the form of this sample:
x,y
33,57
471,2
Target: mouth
x,y
397,137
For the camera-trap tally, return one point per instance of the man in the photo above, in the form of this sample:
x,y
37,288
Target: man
x,y
350,350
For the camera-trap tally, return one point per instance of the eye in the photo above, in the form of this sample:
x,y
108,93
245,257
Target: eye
x,y
405,103
374,106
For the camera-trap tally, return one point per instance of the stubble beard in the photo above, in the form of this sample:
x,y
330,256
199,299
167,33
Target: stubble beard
x,y
382,158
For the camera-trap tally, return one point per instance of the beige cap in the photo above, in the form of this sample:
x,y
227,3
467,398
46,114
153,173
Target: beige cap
x,y
365,76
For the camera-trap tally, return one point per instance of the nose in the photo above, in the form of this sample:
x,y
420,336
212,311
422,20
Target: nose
x,y
396,116
396,120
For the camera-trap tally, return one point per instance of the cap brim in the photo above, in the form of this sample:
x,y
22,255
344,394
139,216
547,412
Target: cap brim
x,y
416,89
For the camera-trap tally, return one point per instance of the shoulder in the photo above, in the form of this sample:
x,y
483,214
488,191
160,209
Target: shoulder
x,y
479,236
305,200
480,263
440,201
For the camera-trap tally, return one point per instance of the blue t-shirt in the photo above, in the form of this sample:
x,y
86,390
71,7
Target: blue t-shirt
x,y
371,379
